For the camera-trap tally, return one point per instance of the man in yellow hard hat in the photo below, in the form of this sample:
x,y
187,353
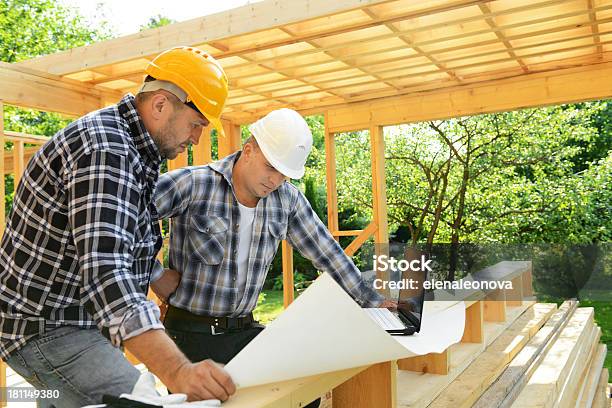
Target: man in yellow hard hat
x,y
228,219
82,236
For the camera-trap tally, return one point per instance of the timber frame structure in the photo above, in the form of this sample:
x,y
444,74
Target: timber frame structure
x,y
363,64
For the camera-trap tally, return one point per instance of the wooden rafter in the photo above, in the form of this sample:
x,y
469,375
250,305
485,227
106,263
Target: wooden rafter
x,y
594,27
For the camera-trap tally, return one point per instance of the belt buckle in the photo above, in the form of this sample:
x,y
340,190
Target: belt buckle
x,y
212,328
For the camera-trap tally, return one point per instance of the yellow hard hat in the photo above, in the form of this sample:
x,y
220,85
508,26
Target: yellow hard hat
x,y
199,75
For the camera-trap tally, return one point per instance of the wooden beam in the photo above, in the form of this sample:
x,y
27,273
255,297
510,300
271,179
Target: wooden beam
x,y
594,27
363,236
486,10
474,323
2,186
432,363
242,20
231,142
288,285
9,158
379,197
18,162
34,89
374,387
330,177
528,281
547,88
495,306
514,297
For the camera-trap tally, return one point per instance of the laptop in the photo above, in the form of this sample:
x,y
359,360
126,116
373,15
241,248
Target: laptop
x,y
406,320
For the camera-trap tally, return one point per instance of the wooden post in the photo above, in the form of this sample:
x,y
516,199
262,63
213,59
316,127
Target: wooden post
x,y
495,306
18,162
379,195
202,152
2,187
374,387
179,162
231,142
527,281
330,175
287,273
514,297
474,323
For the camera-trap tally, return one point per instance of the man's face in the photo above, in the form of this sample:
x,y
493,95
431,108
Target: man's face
x,y
183,126
262,178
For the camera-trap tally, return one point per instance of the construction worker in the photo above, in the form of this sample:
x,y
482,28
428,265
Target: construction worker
x,y
228,219
82,236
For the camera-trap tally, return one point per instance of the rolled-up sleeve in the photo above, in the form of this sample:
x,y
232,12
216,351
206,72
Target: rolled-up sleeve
x,y
103,203
308,234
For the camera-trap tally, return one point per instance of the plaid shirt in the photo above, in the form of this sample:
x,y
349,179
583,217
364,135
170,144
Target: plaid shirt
x,y
83,233
204,240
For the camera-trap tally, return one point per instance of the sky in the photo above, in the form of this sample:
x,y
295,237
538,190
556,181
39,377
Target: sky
x,y
126,16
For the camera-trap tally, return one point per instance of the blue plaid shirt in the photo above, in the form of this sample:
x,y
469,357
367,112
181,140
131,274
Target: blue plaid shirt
x,y
204,240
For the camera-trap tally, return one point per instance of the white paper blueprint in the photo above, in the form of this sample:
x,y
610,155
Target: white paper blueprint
x,y
325,330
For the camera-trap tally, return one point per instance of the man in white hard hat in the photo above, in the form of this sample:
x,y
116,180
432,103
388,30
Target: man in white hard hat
x,y
228,219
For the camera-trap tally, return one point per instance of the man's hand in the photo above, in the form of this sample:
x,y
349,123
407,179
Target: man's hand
x,y
388,304
166,285
202,381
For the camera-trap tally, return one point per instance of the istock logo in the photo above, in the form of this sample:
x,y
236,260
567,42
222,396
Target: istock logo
x,y
384,263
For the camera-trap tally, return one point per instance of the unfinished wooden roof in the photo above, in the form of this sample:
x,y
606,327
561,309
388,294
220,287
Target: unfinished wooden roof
x,y
310,55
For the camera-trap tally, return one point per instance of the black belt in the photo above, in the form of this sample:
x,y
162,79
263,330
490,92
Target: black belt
x,y
184,320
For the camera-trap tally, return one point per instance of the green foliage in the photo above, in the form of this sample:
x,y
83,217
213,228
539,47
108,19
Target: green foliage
x,y
298,280
31,28
156,21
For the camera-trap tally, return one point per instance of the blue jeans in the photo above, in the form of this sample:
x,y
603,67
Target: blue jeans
x,y
80,363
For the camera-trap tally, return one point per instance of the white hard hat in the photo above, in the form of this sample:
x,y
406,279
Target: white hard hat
x,y
285,140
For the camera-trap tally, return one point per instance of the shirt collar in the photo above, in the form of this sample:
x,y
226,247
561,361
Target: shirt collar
x,y
225,166
141,137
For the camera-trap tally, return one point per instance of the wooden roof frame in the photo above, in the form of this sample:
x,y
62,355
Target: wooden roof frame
x,y
364,64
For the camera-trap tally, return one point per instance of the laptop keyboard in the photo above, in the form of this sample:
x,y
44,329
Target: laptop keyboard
x,y
385,318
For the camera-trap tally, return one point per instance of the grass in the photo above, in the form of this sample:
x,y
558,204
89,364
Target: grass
x,y
270,305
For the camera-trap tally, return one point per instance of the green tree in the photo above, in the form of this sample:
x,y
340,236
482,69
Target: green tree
x,y
157,21
32,28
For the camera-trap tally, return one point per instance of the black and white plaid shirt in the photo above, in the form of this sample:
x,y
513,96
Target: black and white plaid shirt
x,y
83,234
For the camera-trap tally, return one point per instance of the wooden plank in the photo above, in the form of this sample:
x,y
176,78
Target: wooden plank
x,y
474,323
346,233
372,388
39,90
505,389
568,395
289,394
416,390
539,89
602,396
468,386
432,363
548,378
25,137
589,389
288,286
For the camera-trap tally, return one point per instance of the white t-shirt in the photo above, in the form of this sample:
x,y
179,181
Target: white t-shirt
x,y
245,231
